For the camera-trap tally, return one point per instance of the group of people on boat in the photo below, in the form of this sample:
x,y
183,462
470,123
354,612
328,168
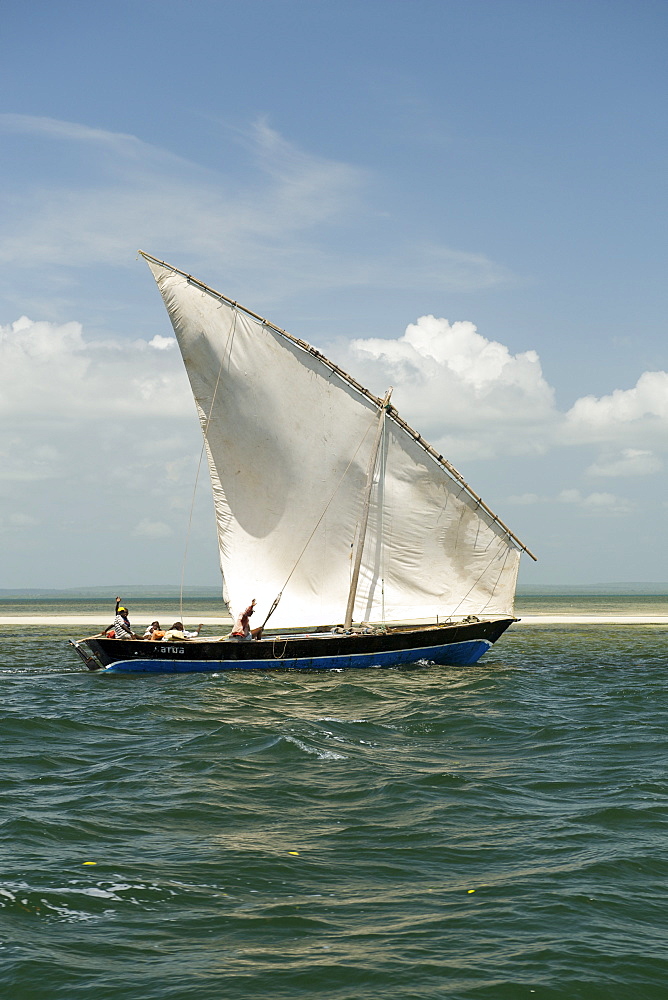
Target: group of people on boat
x,y
122,629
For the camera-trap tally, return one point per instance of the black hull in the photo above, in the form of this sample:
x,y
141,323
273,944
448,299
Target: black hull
x,y
446,644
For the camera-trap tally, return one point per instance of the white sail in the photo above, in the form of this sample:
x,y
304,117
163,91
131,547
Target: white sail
x,y
288,439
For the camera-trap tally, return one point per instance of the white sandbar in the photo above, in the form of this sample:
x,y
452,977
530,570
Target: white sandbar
x,y
593,620
95,620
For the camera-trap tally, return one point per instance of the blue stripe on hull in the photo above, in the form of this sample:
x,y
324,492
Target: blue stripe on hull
x,y
456,653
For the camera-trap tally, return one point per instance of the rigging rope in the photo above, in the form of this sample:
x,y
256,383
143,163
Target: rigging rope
x,y
482,574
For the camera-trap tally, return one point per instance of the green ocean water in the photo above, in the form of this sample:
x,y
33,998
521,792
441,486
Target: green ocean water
x,y
142,609
496,831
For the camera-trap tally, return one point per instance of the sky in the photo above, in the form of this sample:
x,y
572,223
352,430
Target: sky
x,y
465,199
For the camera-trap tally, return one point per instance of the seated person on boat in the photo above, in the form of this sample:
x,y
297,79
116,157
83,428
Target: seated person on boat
x,y
177,631
153,631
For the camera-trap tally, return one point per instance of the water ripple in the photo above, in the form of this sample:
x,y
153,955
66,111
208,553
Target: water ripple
x,y
486,833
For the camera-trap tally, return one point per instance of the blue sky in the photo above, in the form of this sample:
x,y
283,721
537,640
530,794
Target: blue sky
x,y
343,168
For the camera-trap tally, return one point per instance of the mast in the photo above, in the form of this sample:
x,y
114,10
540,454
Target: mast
x,y
365,510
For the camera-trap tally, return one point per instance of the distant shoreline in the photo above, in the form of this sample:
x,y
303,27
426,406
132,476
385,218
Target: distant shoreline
x,y
159,592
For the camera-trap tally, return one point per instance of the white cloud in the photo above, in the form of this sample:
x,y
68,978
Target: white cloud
x,y
51,372
467,394
41,125
91,431
633,415
115,419
133,194
628,462
472,398
127,194
162,343
596,502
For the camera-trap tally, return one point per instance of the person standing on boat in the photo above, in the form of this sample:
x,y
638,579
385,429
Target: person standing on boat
x,y
122,627
242,630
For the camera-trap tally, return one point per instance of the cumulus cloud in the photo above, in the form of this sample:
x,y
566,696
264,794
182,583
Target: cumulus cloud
x,y
465,392
162,343
468,395
50,371
98,454
623,415
93,414
472,398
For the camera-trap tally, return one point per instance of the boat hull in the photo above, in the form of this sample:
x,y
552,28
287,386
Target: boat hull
x,y
458,644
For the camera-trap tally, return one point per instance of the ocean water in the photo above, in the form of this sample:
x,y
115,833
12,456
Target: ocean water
x,y
495,831
143,610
